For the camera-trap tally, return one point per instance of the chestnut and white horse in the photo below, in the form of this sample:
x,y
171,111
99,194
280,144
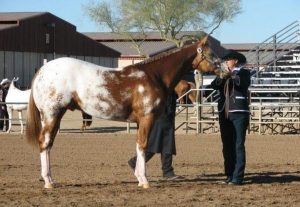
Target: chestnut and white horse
x,y
136,93
182,88
16,100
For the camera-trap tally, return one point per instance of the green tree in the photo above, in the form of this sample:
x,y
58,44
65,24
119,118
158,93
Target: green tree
x,y
133,18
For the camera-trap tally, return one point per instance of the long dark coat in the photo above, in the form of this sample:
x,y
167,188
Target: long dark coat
x,y
162,133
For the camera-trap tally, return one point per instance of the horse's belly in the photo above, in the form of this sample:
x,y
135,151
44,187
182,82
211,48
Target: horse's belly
x,y
106,110
17,107
109,116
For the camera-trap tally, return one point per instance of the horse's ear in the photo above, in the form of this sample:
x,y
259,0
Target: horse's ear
x,y
204,40
15,79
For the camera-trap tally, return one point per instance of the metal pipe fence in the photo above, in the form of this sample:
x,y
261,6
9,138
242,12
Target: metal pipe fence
x,y
267,117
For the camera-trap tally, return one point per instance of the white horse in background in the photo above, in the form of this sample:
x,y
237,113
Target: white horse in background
x,y
17,100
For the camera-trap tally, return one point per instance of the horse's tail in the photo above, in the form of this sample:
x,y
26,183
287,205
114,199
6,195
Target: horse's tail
x,y
33,122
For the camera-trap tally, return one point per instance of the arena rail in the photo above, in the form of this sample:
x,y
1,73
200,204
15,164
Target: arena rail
x,y
266,117
269,117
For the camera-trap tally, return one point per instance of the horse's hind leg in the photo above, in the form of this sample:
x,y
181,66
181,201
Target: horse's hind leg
x,y
49,130
45,168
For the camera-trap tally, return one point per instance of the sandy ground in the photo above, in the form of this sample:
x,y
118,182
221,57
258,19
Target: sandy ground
x,y
90,169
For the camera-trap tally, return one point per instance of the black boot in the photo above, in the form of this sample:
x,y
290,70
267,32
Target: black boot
x,y
132,161
166,162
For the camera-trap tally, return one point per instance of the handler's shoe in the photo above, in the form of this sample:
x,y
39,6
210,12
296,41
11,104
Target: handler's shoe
x,y
171,176
235,183
227,181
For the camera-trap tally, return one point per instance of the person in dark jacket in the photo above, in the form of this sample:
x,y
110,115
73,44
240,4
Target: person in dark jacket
x,y
162,139
4,85
233,115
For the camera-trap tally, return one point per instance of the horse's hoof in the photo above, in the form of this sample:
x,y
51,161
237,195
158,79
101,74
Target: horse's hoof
x,y
49,186
146,186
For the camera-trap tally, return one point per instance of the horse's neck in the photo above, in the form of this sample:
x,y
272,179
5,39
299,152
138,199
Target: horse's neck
x,y
171,68
12,85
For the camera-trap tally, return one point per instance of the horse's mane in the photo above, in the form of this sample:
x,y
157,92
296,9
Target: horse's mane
x,y
160,55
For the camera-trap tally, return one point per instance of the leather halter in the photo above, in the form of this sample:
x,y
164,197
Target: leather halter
x,y
203,57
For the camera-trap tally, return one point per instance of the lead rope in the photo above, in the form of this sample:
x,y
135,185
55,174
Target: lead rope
x,y
228,94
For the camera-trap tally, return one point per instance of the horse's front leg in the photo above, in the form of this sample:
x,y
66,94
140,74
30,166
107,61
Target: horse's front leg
x,y
140,168
142,139
21,121
83,126
9,120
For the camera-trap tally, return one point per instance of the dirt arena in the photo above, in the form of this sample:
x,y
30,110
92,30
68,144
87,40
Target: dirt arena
x,y
90,169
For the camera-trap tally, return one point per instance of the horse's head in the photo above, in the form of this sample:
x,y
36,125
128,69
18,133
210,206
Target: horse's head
x,y
5,83
206,60
15,79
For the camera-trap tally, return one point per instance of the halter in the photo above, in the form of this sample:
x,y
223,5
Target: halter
x,y
204,56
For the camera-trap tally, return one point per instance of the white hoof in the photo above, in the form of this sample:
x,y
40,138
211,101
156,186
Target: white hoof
x,y
49,186
146,186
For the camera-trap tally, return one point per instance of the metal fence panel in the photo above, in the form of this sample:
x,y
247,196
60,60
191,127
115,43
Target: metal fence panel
x,y
2,71
9,64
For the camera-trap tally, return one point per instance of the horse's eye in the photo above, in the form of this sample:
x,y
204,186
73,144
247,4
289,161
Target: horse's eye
x,y
199,50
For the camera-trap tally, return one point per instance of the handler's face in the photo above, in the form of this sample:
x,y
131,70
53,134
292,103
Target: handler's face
x,y
231,63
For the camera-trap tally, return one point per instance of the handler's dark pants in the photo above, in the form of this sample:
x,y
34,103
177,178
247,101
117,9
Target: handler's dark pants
x,y
166,162
233,134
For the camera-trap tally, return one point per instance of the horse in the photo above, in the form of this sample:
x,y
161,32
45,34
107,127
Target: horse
x,y
181,88
86,120
136,93
17,100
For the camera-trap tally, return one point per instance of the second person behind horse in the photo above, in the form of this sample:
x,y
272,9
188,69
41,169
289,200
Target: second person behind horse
x,y
4,118
162,139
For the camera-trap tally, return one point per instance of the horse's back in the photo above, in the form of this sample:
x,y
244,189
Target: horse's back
x,y
70,72
65,81
72,65
17,99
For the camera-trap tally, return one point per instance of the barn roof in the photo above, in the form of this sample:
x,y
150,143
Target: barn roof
x,y
148,48
12,19
16,27
148,36
8,16
150,44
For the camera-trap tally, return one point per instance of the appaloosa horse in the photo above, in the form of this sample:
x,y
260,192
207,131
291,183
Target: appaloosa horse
x,y
136,93
17,100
